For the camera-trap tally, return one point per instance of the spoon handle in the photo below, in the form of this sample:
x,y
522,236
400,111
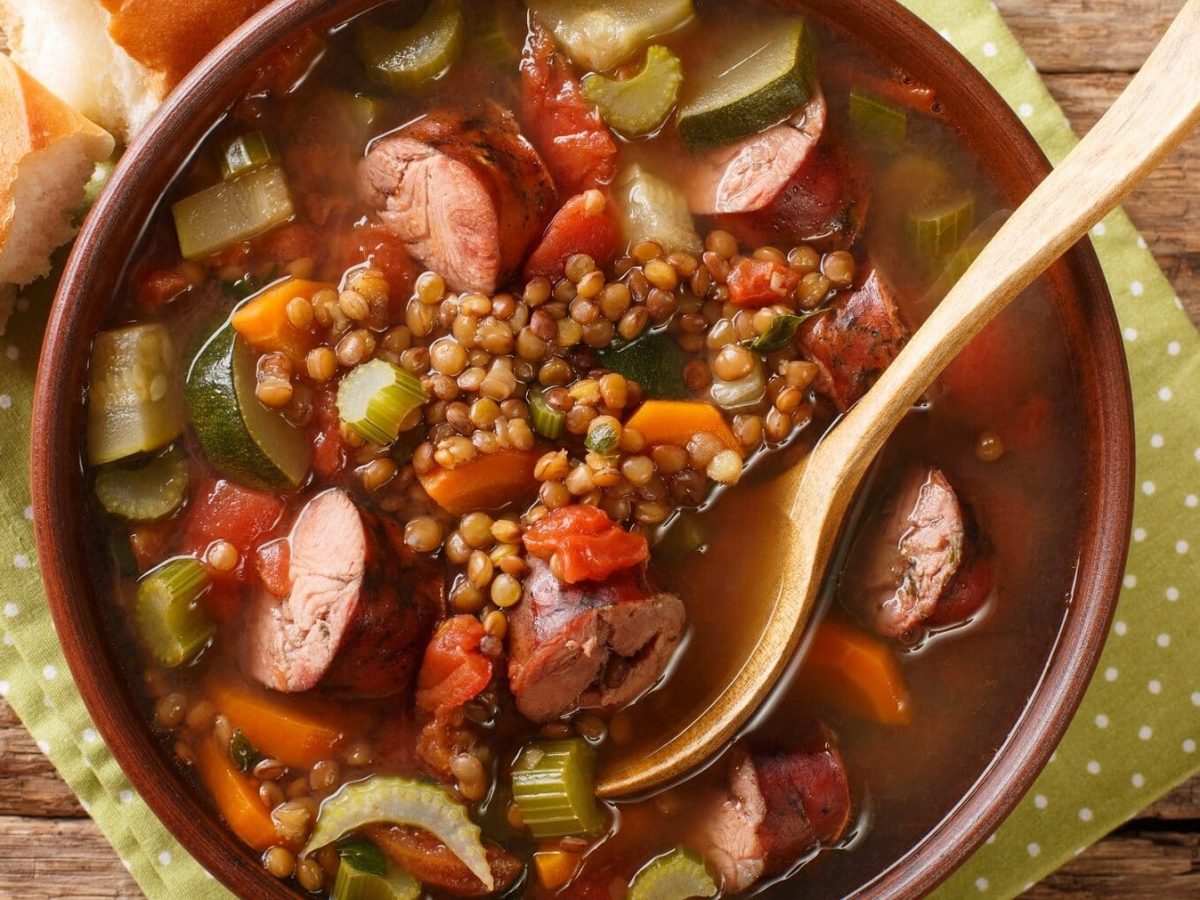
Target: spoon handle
x,y
1152,116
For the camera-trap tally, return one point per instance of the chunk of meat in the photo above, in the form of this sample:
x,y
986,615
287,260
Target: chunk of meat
x,y
465,192
344,625
565,128
595,644
778,806
902,567
750,175
852,345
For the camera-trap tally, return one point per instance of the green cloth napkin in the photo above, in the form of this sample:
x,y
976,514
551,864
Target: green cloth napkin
x,y
1135,735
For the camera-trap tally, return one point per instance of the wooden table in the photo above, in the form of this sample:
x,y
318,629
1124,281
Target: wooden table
x,y
1087,51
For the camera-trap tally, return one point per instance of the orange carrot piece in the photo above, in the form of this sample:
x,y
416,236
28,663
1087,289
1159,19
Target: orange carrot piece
x,y
297,731
263,322
678,421
488,482
235,796
857,673
555,867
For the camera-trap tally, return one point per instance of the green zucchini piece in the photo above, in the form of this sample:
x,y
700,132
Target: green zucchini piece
x,y
404,801
874,119
243,439
232,211
599,36
353,883
546,420
677,875
170,619
638,105
144,493
761,76
376,398
552,785
654,361
653,210
938,230
407,59
133,393
247,153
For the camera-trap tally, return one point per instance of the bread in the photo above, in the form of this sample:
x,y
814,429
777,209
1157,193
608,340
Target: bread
x,y
47,153
115,60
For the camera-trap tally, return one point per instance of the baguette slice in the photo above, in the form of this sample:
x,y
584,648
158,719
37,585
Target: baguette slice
x,y
47,153
115,60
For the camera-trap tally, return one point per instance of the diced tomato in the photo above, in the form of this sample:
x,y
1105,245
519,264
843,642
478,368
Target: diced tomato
x,y
149,544
224,511
966,595
754,283
159,287
287,243
454,670
272,561
589,546
585,224
383,250
329,453
566,130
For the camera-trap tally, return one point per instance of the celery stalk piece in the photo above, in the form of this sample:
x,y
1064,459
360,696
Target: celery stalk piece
x,y
638,105
677,875
247,153
375,399
232,211
553,787
353,883
170,619
546,420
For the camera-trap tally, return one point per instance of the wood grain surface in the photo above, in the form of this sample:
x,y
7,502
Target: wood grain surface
x,y
1087,50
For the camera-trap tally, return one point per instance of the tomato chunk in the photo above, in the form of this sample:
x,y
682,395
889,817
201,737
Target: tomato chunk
x,y
588,545
454,670
272,562
565,129
159,287
329,451
224,511
585,224
379,248
754,283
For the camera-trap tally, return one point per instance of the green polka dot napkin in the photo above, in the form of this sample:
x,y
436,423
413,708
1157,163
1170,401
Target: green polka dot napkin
x,y
1135,735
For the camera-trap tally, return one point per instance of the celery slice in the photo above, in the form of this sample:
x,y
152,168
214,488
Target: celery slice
x,y
232,211
546,420
144,493
552,786
638,105
938,230
169,617
134,402
600,36
247,153
376,398
408,58
677,875
880,122
404,801
353,883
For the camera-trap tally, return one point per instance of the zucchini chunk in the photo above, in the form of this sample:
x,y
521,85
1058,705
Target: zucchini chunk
x,y
762,76
654,361
232,211
677,875
247,153
243,439
407,59
144,493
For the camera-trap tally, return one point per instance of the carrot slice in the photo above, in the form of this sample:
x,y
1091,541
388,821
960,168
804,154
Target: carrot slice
x,y
857,673
264,324
296,731
488,482
678,421
235,796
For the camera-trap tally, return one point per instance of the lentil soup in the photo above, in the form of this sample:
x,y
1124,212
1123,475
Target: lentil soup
x,y
430,434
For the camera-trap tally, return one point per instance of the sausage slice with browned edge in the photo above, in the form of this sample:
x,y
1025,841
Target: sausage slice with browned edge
x,y
350,623
777,807
596,644
464,190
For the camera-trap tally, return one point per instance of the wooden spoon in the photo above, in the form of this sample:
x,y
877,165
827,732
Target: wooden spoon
x,y
1151,118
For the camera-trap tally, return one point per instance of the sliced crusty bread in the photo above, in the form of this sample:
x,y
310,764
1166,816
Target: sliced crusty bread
x,y
115,60
47,153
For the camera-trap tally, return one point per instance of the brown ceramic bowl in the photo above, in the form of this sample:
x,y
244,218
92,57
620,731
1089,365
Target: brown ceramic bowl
x,y
1083,308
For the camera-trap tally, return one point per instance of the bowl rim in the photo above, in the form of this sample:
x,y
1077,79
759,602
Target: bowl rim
x,y
57,475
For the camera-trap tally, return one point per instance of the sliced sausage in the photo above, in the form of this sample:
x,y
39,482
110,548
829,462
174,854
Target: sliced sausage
x,y
464,190
777,807
750,175
905,564
349,623
855,342
594,644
